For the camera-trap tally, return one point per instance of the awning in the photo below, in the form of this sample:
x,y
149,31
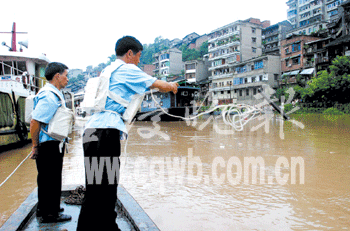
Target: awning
x,y
294,72
191,80
286,74
309,71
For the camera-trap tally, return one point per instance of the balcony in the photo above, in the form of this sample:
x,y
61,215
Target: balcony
x,y
226,35
218,67
221,76
322,60
224,45
190,71
224,56
226,87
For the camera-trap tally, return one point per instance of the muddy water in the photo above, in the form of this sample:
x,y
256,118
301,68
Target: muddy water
x,y
202,176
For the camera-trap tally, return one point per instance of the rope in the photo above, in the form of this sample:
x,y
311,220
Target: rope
x,y
235,115
15,169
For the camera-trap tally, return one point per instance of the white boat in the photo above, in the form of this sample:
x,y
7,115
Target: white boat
x,y
21,75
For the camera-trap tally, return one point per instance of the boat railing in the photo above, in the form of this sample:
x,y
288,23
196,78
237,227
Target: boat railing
x,y
30,82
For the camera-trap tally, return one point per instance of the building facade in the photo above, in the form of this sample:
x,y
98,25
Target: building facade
x,y
293,57
228,45
196,70
310,16
272,36
168,62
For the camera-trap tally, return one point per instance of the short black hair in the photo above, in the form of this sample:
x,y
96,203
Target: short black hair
x,y
127,43
53,68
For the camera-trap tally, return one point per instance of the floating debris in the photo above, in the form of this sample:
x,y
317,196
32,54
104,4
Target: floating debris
x,y
77,196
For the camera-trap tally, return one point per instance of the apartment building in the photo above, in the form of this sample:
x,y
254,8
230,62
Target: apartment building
x,y
308,16
230,44
319,54
293,57
168,62
196,70
272,36
251,75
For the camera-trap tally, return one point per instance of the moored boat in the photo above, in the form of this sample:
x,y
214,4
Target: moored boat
x,y
21,75
181,104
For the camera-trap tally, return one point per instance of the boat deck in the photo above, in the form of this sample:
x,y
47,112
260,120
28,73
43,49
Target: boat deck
x,y
130,215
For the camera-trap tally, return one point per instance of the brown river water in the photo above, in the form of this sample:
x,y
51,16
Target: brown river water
x,y
205,176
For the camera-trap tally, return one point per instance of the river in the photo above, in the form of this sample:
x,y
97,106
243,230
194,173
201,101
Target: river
x,y
273,175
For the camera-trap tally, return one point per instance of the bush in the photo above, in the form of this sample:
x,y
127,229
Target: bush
x,y
287,107
333,111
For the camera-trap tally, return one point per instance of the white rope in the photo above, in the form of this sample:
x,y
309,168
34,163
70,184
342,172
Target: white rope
x,y
15,169
235,115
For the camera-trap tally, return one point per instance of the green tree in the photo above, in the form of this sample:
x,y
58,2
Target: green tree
x,y
333,87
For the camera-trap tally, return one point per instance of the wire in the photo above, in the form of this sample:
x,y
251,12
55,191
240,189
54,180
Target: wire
x,y
15,169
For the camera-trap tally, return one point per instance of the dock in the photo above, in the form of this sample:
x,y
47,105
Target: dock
x,y
130,214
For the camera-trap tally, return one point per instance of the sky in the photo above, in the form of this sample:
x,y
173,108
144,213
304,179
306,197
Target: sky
x,y
82,33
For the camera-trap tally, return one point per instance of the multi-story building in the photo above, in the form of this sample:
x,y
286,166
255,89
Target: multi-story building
x,y
318,54
168,62
251,75
272,36
196,70
309,16
293,57
339,30
233,43
197,42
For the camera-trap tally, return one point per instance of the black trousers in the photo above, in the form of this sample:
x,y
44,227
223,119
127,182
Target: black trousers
x,y
49,165
98,209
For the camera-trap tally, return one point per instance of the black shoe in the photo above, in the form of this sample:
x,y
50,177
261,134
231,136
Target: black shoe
x,y
55,219
38,212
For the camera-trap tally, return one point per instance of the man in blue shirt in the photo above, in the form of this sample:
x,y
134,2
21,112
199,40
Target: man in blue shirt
x,y
45,149
101,138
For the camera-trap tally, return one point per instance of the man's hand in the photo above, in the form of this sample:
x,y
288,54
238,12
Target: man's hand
x,y
34,153
174,87
165,86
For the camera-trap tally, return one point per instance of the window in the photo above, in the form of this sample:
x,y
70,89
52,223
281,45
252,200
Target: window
x,y
222,92
240,92
259,64
247,91
287,62
253,30
184,93
296,47
254,91
253,49
253,40
296,60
